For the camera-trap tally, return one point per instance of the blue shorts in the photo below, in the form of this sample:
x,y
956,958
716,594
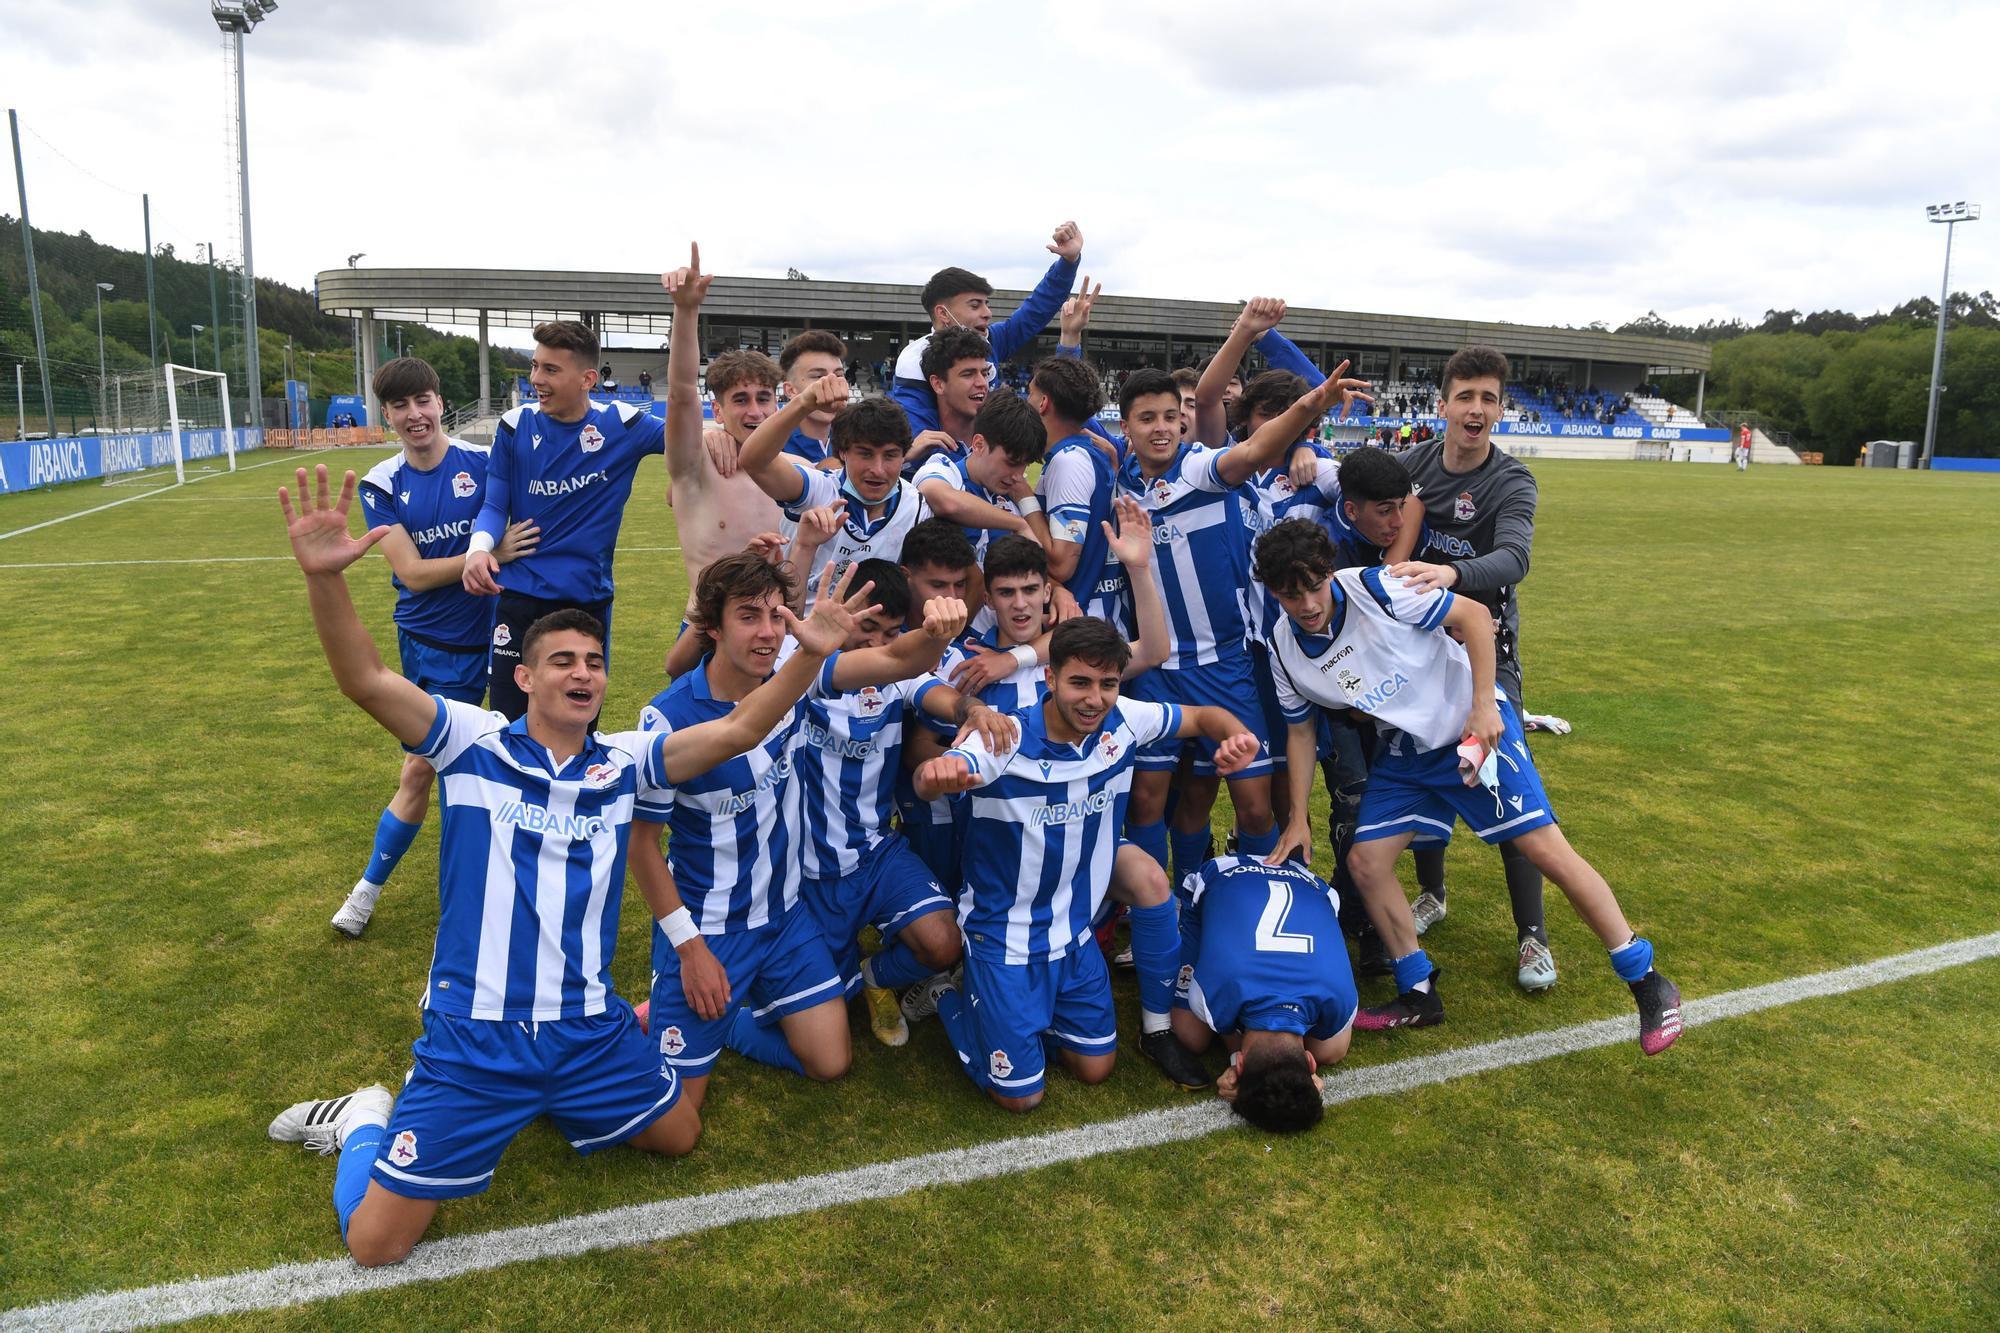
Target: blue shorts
x,y
1420,793
888,890
775,969
1228,685
455,675
1275,726
1012,1005
477,1082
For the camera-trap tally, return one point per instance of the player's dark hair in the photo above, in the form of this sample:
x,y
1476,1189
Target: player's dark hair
x,y
1236,375
568,618
937,543
1476,362
741,366
1372,474
1091,640
1075,395
1144,384
812,340
734,577
1295,555
876,421
949,282
892,587
948,347
1012,556
1275,1092
1187,379
567,335
405,377
1271,393
1007,423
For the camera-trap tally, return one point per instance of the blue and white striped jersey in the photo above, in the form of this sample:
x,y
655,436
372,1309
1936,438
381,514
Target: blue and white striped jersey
x,y
950,469
1261,949
1273,500
850,753
1201,551
802,445
437,508
860,538
1385,652
572,478
1043,829
1076,489
733,832
1023,688
531,864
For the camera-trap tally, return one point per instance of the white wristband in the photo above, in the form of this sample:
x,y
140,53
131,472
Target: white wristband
x,y
481,541
1028,504
1024,656
679,926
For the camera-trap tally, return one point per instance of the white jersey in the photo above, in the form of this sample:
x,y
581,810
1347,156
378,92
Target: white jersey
x,y
1385,652
860,537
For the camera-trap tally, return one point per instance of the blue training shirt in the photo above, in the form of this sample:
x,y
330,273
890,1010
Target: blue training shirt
x,y
531,864
572,478
437,508
1006,337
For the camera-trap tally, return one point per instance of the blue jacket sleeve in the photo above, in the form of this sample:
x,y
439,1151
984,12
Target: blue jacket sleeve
x,y
1284,354
919,404
492,518
1011,334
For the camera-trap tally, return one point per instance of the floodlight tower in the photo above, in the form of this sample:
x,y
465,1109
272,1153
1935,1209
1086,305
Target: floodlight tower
x,y
236,18
1950,215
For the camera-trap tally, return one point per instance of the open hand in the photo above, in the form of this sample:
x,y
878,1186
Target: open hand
x,y
703,980
834,615
1131,541
1339,392
318,529
996,729
722,449
520,539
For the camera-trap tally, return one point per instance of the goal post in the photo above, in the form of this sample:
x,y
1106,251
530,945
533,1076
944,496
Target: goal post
x,y
198,413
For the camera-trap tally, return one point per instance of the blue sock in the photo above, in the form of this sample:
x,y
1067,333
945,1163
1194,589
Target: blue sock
x,y
1634,960
1259,845
350,1177
764,1044
392,838
895,967
1412,969
958,1026
1190,850
1151,838
1156,953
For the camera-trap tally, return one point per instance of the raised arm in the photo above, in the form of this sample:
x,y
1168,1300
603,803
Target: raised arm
x,y
906,655
689,287
1268,443
1074,318
1008,336
1131,543
764,458
318,533
1259,315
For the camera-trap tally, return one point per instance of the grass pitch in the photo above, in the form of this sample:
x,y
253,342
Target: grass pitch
x,y
1783,690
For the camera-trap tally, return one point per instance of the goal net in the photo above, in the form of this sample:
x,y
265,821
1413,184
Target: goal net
x,y
198,419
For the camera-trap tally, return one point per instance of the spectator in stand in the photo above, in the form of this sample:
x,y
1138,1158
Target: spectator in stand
x,y
646,382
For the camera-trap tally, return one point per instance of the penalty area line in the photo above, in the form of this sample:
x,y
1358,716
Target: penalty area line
x,y
143,495
286,1285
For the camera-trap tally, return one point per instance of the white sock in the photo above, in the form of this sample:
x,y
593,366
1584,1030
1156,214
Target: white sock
x,y
1151,1022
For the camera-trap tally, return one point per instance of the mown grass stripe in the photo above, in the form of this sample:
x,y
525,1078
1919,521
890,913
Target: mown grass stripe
x,y
298,1284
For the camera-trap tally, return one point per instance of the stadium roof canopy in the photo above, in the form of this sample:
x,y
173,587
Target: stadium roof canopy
x,y
634,303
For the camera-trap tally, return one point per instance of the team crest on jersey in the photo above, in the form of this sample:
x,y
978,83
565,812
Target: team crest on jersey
x,y
591,440
1110,748
1461,508
1187,976
600,775
404,1150
502,636
999,1064
1349,683
1161,491
672,1042
1282,486
871,699
462,486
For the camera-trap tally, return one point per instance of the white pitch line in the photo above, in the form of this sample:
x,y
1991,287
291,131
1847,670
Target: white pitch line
x,y
641,1224
227,560
143,495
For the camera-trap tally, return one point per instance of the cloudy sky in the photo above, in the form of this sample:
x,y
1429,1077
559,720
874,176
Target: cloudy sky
x,y
1547,163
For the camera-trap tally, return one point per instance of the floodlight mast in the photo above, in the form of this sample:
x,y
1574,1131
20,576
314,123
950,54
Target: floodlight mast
x,y
236,18
1950,215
